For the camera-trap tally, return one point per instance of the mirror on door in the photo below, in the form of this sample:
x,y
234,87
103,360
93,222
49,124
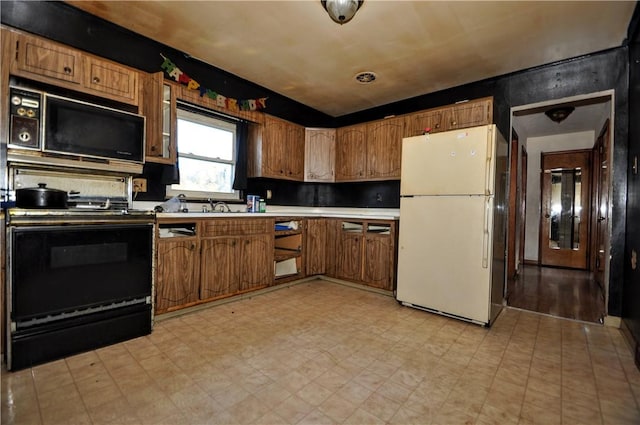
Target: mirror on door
x,y
564,214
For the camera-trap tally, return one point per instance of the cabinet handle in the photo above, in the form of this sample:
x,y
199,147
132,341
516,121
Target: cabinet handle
x,y
95,80
438,125
453,123
193,246
67,70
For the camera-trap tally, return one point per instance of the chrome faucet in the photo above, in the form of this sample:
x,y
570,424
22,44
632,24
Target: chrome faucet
x,y
219,206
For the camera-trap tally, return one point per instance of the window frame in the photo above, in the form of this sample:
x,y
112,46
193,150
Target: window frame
x,y
197,114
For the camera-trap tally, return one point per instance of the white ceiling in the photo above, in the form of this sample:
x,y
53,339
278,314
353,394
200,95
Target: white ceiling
x,y
414,47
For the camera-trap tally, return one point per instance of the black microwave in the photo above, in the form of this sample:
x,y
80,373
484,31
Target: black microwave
x,y
60,125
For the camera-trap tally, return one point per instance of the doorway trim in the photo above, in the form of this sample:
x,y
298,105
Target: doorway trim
x,y
610,321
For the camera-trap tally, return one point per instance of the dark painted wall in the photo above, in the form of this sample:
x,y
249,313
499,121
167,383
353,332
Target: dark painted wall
x,y
592,73
631,291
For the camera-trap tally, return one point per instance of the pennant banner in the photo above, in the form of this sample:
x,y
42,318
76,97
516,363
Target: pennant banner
x,y
222,101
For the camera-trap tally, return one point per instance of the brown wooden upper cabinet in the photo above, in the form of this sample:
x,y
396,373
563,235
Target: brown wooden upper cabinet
x,y
384,148
159,106
109,79
276,150
49,62
369,151
461,115
351,153
319,154
46,59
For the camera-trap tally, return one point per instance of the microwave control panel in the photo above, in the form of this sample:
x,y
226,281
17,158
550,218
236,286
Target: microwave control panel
x,y
24,118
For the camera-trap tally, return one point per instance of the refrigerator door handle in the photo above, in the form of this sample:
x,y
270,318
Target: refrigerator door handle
x,y
487,169
485,234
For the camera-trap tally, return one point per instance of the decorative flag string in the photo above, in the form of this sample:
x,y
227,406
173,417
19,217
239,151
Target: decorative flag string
x,y
222,101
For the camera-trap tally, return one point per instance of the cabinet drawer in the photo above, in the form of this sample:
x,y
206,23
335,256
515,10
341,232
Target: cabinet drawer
x,y
226,227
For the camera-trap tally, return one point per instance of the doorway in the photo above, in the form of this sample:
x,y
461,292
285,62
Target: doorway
x,y
565,209
559,233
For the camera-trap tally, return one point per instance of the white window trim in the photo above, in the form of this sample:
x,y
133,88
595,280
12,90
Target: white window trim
x,y
199,195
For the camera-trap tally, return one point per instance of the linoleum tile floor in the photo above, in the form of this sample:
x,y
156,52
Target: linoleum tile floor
x,y
323,353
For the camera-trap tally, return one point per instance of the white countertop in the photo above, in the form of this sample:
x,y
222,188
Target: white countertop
x,y
279,211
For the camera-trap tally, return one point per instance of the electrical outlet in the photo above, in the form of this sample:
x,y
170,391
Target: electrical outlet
x,y
139,185
269,194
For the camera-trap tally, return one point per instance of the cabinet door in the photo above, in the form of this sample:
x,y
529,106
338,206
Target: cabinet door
x,y
319,154
384,147
378,261
351,153
333,227
256,261
219,267
349,252
316,242
177,274
294,153
111,80
159,107
415,124
47,59
274,148
471,114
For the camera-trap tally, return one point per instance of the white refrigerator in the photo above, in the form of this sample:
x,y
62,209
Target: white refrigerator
x,y
451,246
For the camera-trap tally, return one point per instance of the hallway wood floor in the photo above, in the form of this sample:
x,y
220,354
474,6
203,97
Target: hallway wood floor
x,y
567,293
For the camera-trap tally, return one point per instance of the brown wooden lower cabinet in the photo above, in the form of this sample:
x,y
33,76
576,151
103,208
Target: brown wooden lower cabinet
x,y
206,259
316,246
221,257
177,276
364,252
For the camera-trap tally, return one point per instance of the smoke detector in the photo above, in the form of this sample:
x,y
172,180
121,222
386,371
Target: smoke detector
x,y
366,77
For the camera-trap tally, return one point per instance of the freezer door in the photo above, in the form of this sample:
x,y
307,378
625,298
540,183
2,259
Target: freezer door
x,y
459,162
444,256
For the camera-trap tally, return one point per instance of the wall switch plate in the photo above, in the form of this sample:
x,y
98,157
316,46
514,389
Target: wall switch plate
x,y
139,185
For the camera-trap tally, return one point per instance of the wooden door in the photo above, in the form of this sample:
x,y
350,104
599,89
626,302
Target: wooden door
x,y
111,80
523,201
513,202
384,148
316,242
294,152
319,154
416,124
349,252
564,228
601,214
48,59
378,256
177,274
256,261
470,114
351,153
274,148
333,229
219,267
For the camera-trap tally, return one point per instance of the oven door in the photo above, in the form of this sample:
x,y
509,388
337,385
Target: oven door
x,y
59,270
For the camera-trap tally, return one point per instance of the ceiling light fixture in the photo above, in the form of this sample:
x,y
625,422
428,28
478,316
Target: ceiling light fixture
x,y
341,11
560,113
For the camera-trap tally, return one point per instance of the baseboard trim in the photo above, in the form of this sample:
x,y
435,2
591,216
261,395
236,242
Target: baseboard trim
x,y
612,321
